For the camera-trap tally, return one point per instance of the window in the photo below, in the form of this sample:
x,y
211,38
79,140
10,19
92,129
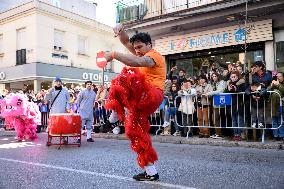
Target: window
x,y
82,43
55,3
280,55
58,40
1,44
21,39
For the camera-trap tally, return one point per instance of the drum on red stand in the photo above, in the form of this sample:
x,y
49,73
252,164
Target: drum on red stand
x,y
64,123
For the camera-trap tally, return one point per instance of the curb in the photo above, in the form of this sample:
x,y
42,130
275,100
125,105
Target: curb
x,y
198,141
182,140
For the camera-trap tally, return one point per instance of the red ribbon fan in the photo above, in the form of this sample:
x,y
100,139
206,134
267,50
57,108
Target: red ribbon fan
x,y
100,60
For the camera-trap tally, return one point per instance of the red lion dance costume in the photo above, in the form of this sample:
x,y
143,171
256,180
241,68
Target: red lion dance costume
x,y
21,114
130,90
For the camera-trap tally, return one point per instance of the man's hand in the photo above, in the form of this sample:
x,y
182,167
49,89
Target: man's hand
x,y
173,68
108,56
118,29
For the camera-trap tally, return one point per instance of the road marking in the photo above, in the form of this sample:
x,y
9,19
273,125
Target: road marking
x,y
96,174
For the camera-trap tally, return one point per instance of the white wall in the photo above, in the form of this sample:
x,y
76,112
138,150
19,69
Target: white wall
x,y
9,31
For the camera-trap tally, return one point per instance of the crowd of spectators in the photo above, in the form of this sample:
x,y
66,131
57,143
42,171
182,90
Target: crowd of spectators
x,y
190,101
189,108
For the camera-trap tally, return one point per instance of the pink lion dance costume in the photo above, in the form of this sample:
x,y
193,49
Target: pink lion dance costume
x,y
129,90
21,114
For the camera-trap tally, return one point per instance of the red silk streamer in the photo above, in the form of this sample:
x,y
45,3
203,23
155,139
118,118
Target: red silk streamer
x,y
129,90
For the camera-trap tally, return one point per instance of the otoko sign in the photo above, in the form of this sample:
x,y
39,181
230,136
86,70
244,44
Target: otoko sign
x,y
94,76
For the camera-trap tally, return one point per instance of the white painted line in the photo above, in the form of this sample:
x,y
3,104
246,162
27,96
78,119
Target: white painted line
x,y
95,173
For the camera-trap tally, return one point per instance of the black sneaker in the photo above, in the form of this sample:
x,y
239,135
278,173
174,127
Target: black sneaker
x,y
90,140
145,177
78,141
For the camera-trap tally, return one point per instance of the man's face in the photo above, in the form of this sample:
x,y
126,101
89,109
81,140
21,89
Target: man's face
x,y
202,81
89,86
253,88
280,77
57,83
240,69
141,48
175,81
181,73
256,68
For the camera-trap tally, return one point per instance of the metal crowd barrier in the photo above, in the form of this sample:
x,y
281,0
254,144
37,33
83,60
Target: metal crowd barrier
x,y
235,108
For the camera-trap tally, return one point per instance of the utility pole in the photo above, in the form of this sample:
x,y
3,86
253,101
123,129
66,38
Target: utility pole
x,y
246,32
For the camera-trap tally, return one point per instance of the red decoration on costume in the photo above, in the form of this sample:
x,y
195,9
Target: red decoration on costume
x,y
130,90
100,60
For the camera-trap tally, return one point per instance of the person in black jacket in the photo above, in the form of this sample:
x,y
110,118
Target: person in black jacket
x,y
258,95
237,85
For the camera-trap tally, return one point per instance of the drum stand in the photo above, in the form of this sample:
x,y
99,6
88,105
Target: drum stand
x,y
64,139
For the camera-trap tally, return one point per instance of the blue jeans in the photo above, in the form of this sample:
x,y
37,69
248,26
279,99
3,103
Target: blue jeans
x,y
276,122
238,121
171,111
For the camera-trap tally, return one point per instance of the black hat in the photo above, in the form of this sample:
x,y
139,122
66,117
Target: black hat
x,y
203,77
259,64
88,82
174,77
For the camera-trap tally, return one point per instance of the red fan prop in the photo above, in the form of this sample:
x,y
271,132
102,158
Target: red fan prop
x,y
101,61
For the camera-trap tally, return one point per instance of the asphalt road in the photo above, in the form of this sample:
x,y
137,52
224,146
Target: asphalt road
x,y
109,163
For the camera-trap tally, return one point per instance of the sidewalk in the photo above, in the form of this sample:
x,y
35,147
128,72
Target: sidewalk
x,y
279,145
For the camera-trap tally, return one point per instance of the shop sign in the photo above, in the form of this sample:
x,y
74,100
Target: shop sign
x,y
202,41
94,77
221,37
2,75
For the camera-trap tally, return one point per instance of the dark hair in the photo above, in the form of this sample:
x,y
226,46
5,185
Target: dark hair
x,y
236,73
215,73
142,37
203,77
260,64
88,82
174,77
182,70
255,83
189,81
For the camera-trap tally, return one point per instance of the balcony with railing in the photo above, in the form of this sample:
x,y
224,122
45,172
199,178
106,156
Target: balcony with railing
x,y
143,9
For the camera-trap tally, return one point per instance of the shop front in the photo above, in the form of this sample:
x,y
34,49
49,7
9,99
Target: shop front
x,y
37,76
196,52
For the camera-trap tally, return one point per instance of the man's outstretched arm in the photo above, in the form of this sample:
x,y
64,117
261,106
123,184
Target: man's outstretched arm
x,y
130,60
123,37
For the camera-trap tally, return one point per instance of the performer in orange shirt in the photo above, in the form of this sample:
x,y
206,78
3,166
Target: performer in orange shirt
x,y
140,90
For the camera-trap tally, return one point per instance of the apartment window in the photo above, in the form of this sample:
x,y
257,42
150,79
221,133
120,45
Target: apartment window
x,y
55,3
58,40
1,44
21,39
82,44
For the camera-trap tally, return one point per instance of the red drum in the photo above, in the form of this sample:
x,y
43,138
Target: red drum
x,y
64,123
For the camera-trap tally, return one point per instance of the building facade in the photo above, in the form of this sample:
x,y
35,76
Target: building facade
x,y
194,34
39,41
